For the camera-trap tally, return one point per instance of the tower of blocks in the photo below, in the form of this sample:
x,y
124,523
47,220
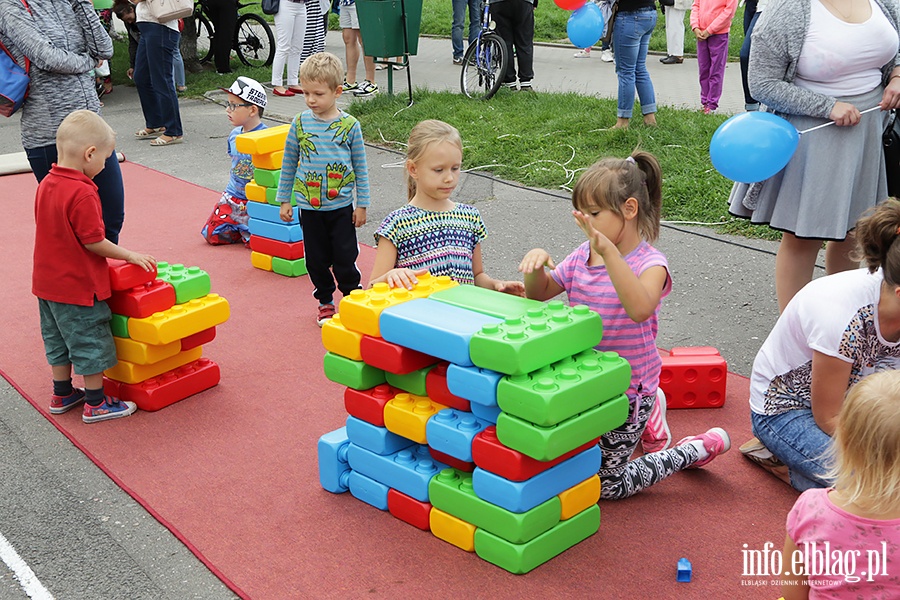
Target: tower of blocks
x,y
276,246
160,321
474,415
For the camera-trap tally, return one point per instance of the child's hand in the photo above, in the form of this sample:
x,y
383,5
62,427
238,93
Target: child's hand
x,y
359,217
145,261
515,288
599,242
287,212
535,260
402,278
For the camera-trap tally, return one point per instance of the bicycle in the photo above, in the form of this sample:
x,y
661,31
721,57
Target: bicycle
x,y
485,61
253,41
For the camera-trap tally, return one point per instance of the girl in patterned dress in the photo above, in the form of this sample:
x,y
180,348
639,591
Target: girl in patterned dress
x,y
431,232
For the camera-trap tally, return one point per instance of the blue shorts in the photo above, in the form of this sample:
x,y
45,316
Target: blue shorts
x,y
78,335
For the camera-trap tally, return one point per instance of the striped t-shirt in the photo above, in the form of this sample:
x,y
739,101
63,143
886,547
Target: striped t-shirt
x,y
635,342
441,241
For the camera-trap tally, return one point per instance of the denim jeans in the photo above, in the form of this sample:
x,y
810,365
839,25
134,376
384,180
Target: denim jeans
x,y
749,101
631,37
154,77
109,186
459,18
794,437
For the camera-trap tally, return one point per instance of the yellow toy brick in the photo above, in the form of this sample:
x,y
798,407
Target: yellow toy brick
x,y
429,284
406,415
262,141
261,261
141,353
255,192
455,531
579,497
338,339
362,308
128,372
180,321
269,161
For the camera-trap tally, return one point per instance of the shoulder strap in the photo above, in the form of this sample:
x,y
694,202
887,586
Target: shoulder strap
x,y
5,49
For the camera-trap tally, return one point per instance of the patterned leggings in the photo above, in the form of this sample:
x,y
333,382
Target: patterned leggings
x,y
621,478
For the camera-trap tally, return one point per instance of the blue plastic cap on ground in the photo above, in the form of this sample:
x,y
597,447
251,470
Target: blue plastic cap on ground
x,y
684,570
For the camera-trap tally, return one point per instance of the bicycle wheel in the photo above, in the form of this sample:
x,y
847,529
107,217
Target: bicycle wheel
x,y
483,67
254,41
204,34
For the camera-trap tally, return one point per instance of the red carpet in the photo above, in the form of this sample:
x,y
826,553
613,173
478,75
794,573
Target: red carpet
x,y
233,472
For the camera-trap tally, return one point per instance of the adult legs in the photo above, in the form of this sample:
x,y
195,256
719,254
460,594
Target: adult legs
x,y
456,30
475,8
630,42
749,102
838,255
675,31
797,441
503,16
153,76
523,38
794,266
224,17
351,51
717,46
178,69
290,29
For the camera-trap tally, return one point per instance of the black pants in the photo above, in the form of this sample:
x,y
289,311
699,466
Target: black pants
x,y
329,244
224,17
515,24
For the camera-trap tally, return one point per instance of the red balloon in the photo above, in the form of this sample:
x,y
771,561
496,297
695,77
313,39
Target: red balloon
x,y
570,4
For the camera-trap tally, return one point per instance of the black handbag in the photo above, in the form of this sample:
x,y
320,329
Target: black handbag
x,y
270,7
891,142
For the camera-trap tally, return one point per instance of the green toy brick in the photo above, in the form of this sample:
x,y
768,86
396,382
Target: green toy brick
x,y
451,491
267,177
352,373
547,443
486,302
272,193
190,283
521,558
289,268
414,382
539,338
119,326
569,387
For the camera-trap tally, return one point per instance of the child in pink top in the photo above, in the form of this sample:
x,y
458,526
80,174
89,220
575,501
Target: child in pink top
x,y
844,541
711,22
618,274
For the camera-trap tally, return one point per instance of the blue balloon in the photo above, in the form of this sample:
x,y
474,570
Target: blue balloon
x,y
753,146
585,26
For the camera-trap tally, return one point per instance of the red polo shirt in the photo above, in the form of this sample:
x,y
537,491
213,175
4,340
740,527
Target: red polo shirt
x,y
67,214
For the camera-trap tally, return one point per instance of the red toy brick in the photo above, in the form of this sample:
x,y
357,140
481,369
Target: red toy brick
x,y
124,275
368,405
693,351
406,508
451,461
198,339
491,455
392,358
437,390
693,380
143,300
172,386
285,250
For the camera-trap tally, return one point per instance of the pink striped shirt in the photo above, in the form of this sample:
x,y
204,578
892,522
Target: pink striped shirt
x,y
635,342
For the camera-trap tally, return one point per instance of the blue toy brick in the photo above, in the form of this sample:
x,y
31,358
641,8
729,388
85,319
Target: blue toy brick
x,y
368,490
333,467
684,570
271,213
521,496
451,431
474,384
407,471
486,413
276,231
374,438
435,328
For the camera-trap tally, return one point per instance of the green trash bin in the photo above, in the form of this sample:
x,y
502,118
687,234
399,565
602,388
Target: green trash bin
x,y
381,26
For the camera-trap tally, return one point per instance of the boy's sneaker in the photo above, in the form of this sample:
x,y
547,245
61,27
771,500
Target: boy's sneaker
x,y
606,55
349,87
715,442
457,61
61,404
366,88
657,435
112,408
326,311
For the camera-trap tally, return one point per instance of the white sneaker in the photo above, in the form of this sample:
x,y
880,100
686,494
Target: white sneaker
x,y
606,55
583,54
366,88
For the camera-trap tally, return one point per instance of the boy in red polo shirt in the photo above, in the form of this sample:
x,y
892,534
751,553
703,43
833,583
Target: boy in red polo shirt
x,y
71,276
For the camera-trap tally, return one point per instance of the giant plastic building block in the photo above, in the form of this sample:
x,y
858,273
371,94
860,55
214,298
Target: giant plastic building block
x,y
143,300
119,325
572,387
140,353
198,339
262,141
522,558
428,284
266,177
172,386
579,497
407,415
538,338
334,470
338,339
413,382
254,192
260,260
694,380
289,268
406,508
352,373
452,530
393,358
437,389
190,283
451,432
486,413
368,490
435,328
374,438
124,275
275,231
285,250
451,491
368,404
489,302
519,496
450,461
408,470
491,455
180,321
271,213
128,372
474,384
547,443
361,310
269,160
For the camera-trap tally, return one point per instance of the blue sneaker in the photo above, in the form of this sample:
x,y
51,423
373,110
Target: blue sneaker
x,y
61,404
112,408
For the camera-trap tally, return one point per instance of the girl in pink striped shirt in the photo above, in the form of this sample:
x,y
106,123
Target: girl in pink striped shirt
x,y
618,274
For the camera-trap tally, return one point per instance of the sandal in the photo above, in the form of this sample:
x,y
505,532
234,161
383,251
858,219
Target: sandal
x,y
160,141
149,133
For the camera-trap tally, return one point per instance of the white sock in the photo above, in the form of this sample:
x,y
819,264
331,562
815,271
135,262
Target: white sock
x,y
701,449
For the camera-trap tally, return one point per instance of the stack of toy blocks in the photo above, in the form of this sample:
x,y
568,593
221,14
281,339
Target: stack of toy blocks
x,y
160,321
473,414
276,245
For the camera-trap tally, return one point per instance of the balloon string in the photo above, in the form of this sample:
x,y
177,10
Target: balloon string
x,y
832,122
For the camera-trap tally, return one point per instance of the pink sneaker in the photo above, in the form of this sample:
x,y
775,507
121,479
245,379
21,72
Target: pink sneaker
x,y
656,435
715,441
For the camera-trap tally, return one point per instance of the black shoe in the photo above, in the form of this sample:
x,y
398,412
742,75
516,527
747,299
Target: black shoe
x,y
672,60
